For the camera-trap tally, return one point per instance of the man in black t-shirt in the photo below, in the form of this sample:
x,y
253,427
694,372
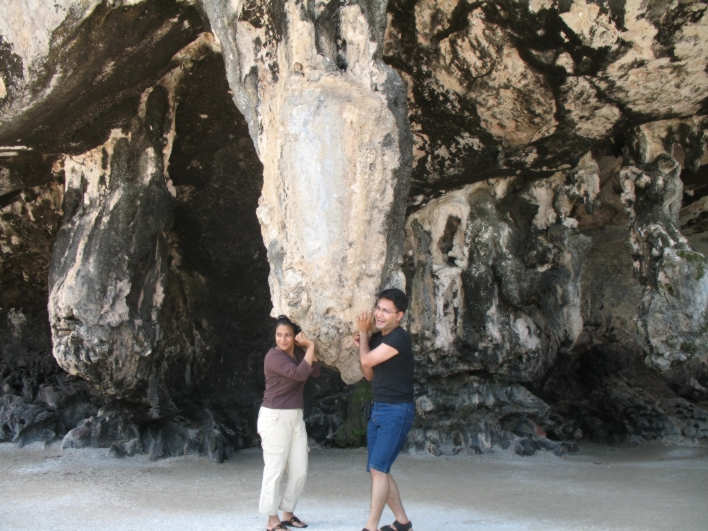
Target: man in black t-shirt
x,y
387,360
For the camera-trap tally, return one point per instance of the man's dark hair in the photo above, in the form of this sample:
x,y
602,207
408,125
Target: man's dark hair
x,y
285,320
397,297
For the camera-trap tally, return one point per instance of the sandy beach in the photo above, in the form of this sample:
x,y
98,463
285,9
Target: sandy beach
x,y
652,487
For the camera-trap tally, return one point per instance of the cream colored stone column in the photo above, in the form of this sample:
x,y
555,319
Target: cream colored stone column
x,y
329,121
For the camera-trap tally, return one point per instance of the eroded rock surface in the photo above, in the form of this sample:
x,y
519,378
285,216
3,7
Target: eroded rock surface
x,y
673,308
614,397
72,70
497,87
329,121
495,286
219,162
38,401
108,275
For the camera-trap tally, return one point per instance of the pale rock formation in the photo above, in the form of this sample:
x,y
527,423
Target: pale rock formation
x,y
673,308
50,52
107,280
328,119
512,117
660,73
494,273
495,278
29,27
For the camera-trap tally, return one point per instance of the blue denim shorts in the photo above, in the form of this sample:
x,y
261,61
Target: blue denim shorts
x,y
387,430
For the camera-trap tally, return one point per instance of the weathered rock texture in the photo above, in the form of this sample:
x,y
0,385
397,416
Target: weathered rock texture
x,y
74,69
673,308
165,313
495,281
501,87
328,119
108,277
497,269
195,167
612,396
37,399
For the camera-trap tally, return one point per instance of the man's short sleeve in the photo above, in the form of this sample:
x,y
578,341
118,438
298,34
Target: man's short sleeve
x,y
395,340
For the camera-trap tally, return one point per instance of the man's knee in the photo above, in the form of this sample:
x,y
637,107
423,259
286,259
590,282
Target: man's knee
x,y
377,475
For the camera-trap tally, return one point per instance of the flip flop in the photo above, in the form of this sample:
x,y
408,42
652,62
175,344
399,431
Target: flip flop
x,y
397,526
294,520
279,527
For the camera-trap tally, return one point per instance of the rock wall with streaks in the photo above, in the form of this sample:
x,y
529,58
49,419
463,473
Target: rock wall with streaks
x,y
533,173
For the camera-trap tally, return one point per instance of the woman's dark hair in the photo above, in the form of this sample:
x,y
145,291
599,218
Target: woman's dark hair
x,y
285,320
397,297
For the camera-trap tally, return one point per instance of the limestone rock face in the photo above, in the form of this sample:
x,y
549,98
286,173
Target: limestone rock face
x,y
38,401
51,53
624,401
168,319
195,167
329,121
497,87
107,278
490,290
495,287
673,309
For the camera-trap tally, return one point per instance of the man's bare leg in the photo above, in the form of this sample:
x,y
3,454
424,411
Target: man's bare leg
x,y
394,501
379,494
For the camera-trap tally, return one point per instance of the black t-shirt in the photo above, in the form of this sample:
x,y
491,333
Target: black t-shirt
x,y
393,379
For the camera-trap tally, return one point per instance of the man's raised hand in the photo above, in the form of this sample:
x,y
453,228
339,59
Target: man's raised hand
x,y
364,321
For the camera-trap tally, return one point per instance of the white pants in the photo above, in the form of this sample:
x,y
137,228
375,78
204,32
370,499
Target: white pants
x,y
284,442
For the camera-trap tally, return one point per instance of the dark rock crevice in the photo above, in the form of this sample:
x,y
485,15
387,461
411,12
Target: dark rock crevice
x,y
38,401
613,397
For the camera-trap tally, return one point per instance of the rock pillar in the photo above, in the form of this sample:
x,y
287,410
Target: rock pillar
x,y
672,317
329,122
109,264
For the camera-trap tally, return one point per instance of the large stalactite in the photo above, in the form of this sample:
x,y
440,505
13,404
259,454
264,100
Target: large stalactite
x,y
329,123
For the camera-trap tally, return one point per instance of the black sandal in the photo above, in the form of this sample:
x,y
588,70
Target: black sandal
x,y
397,526
279,527
291,523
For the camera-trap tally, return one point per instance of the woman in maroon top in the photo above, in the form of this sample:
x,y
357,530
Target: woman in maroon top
x,y
280,422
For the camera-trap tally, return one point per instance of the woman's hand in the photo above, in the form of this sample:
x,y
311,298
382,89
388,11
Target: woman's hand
x,y
364,321
302,341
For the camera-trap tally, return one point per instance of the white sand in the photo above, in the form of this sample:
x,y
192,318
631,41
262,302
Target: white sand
x,y
647,488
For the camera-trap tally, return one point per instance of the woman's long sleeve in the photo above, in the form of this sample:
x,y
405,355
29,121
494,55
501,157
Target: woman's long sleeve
x,y
281,364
